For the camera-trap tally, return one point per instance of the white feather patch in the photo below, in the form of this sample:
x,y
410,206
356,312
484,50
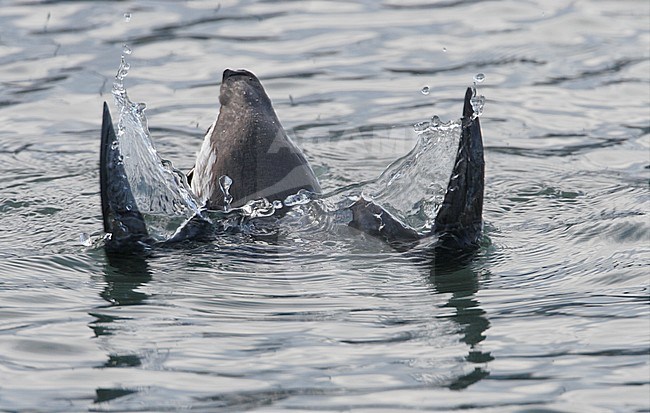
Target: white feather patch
x,y
205,158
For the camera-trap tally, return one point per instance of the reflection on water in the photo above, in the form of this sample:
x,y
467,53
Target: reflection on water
x,y
123,275
462,284
126,275
106,395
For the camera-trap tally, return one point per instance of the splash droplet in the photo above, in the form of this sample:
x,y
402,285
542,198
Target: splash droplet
x,y
444,49
300,198
277,204
421,126
478,102
85,240
127,17
425,90
123,70
224,184
126,49
435,121
479,77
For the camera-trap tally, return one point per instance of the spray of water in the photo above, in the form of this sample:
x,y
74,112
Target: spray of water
x,y
161,192
412,188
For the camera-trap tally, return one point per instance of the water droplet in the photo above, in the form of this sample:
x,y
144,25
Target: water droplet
x,y
126,49
479,77
224,184
115,145
258,208
435,121
84,239
247,208
141,107
425,90
127,17
123,70
444,49
277,204
478,102
178,207
301,198
421,126
118,86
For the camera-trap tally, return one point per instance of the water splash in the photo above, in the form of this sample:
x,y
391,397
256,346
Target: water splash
x,y
122,72
85,239
260,207
477,101
257,208
225,182
302,197
414,186
422,126
160,191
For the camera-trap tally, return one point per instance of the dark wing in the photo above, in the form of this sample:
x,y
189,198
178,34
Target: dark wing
x,y
459,222
119,210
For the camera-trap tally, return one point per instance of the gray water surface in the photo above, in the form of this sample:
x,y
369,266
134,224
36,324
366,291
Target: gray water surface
x,y
552,315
